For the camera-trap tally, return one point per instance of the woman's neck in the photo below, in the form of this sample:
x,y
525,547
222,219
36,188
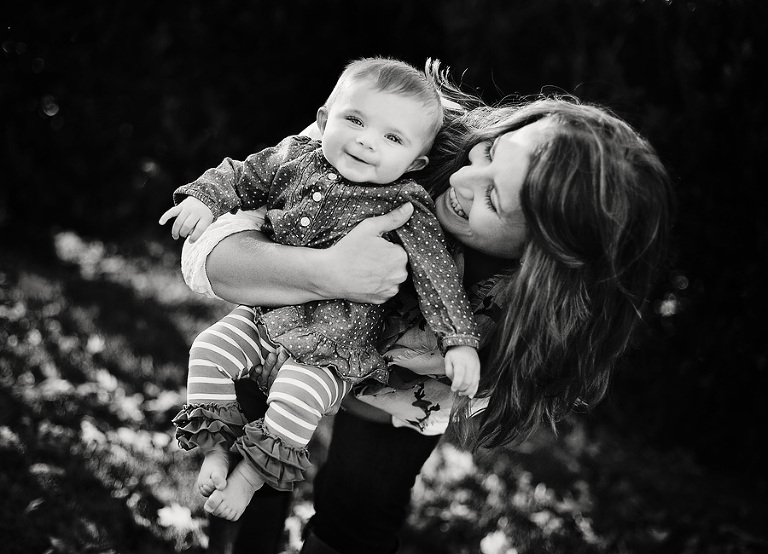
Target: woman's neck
x,y
479,266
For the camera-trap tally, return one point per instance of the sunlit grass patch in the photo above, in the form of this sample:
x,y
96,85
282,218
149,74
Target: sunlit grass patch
x,y
94,339
88,385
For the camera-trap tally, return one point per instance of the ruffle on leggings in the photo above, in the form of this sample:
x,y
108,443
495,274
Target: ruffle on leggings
x,y
209,425
281,465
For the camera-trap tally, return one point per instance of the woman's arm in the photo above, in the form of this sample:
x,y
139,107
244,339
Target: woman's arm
x,y
312,131
247,268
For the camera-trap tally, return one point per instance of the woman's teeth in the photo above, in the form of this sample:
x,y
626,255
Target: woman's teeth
x,y
454,202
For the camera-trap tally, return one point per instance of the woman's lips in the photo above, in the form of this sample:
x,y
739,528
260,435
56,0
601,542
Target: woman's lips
x,y
453,202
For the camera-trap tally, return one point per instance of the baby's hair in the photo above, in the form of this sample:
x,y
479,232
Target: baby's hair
x,y
396,77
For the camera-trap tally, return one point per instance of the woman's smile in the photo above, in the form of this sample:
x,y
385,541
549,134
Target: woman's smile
x,y
453,202
481,208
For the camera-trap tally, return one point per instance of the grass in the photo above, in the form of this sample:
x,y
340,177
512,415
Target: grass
x,y
92,368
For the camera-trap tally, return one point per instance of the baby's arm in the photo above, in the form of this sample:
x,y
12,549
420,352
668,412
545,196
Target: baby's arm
x,y
230,186
442,299
192,218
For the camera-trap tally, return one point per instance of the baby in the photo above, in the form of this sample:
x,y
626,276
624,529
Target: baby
x,y
378,124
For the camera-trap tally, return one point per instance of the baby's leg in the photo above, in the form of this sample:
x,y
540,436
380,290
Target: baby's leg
x,y
298,399
219,355
300,396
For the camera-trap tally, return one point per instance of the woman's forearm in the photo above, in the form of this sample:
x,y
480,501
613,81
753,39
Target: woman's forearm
x,y
248,268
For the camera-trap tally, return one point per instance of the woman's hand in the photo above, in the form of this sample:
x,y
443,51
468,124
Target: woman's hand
x,y
245,267
365,267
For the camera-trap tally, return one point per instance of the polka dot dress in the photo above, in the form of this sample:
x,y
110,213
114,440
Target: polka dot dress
x,y
309,204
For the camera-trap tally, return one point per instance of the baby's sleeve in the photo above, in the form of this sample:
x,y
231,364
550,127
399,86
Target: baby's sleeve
x,y
436,279
195,254
243,185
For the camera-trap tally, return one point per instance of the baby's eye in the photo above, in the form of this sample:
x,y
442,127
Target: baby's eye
x,y
352,119
395,139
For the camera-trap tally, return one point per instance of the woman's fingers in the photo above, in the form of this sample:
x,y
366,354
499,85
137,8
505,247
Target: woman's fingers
x,y
389,222
368,268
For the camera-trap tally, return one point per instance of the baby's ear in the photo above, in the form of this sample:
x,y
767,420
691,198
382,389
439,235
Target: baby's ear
x,y
419,163
322,118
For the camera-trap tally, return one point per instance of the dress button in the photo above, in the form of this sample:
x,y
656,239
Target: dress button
x,y
332,176
316,196
304,221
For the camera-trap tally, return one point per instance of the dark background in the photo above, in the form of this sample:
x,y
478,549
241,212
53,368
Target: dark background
x,y
106,107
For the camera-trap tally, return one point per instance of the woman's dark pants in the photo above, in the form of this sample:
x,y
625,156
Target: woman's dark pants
x,y
361,494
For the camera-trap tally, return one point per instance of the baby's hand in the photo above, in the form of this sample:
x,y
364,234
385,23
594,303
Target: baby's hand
x,y
192,216
462,366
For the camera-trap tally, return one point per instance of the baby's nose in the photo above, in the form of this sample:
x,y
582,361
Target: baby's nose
x,y
365,140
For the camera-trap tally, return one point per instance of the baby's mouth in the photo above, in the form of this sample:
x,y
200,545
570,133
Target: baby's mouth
x,y
454,203
358,159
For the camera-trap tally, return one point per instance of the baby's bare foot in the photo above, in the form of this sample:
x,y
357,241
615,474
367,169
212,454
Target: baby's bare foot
x,y
213,472
230,502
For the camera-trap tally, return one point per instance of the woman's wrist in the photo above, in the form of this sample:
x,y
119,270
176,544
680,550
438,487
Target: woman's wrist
x,y
318,274
246,267
360,409
329,274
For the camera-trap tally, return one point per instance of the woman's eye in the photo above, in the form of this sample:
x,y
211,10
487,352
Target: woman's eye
x,y
395,139
488,200
487,150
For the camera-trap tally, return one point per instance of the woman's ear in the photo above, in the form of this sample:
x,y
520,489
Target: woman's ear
x,y
322,118
419,163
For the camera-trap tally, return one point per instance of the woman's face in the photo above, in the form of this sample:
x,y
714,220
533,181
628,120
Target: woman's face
x,y
481,208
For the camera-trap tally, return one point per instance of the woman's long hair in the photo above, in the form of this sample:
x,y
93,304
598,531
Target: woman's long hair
x,y
597,203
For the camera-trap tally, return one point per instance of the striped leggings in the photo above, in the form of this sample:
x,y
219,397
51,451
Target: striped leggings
x,y
298,398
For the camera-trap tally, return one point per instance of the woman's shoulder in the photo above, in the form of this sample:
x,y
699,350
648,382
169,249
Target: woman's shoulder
x,y
299,142
293,149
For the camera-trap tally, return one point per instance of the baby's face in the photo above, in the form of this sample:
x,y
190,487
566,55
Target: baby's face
x,y
374,136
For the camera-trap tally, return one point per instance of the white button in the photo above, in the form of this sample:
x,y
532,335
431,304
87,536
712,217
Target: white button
x,y
332,176
316,196
304,221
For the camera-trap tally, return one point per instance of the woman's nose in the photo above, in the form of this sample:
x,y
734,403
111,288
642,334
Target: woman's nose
x,y
462,183
467,180
473,175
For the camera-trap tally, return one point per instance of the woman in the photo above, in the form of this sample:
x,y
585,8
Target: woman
x,y
560,212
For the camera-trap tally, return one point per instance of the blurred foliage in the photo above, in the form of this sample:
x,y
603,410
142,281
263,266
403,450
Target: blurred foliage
x,y
106,107
92,370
